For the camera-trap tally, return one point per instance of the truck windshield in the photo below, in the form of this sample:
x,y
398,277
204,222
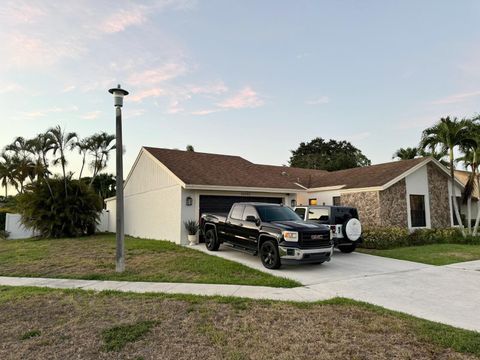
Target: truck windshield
x,y
277,213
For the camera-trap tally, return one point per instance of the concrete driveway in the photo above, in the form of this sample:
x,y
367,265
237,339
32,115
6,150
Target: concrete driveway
x,y
448,294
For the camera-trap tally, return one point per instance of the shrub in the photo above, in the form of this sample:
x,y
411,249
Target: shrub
x,y
385,238
392,237
47,209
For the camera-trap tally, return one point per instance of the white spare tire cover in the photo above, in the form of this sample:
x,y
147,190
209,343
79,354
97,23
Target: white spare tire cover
x,y
352,229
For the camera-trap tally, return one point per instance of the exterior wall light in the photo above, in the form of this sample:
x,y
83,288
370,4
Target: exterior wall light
x,y
293,203
189,201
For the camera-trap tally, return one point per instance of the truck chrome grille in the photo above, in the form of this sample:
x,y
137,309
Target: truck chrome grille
x,y
308,240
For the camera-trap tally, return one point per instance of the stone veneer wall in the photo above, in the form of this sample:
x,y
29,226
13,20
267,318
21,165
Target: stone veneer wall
x,y
438,191
393,205
368,205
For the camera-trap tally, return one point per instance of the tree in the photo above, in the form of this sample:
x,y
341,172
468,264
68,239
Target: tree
x,y
7,172
406,153
83,146
471,159
100,147
104,185
61,142
448,134
332,155
72,213
190,148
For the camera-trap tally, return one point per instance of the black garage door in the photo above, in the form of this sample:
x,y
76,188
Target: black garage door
x,y
221,204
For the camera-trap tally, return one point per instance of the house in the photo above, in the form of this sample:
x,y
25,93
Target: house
x,y
463,176
167,187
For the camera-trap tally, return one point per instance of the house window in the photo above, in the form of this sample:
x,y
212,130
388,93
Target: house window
x,y
417,211
336,201
312,201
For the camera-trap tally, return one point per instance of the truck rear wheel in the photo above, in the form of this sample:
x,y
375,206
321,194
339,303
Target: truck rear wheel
x,y
211,241
269,255
347,248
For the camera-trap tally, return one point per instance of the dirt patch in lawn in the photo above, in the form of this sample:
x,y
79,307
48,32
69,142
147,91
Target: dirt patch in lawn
x,y
73,324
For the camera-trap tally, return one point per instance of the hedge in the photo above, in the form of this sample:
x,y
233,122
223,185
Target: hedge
x,y
392,237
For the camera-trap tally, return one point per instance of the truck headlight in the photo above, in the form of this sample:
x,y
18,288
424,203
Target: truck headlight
x,y
290,235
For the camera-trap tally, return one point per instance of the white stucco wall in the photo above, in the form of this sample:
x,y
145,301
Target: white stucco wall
x,y
152,202
417,184
323,197
15,228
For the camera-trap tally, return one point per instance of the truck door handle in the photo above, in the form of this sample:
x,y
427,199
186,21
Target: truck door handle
x,y
240,224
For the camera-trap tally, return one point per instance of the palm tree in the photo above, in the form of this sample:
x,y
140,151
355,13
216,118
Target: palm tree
x,y
83,146
20,147
61,142
100,147
39,147
448,134
7,172
434,153
471,160
406,153
190,148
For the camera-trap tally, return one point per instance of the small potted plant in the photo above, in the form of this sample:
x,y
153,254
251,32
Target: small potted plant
x,y
192,228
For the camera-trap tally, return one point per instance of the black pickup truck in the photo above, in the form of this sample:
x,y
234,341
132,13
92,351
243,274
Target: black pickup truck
x,y
275,232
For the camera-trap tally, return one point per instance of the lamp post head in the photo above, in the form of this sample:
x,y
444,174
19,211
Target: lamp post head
x,y
118,94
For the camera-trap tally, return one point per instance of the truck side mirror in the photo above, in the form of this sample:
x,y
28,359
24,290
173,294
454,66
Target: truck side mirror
x,y
251,218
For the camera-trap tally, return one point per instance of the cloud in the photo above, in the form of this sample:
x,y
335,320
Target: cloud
x,y
122,19
162,73
68,88
174,107
153,92
317,101
205,112
44,112
11,88
245,98
456,98
91,115
216,88
22,13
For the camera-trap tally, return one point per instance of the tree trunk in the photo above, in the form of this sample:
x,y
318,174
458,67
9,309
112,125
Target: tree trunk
x,y
81,169
454,195
469,215
477,222
62,159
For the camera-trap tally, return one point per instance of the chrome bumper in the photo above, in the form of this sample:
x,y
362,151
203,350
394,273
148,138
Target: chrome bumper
x,y
289,253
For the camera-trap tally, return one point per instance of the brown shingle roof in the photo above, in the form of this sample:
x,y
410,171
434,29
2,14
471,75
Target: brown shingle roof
x,y
369,176
195,168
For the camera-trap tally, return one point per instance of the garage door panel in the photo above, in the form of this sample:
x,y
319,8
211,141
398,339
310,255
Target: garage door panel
x,y
214,204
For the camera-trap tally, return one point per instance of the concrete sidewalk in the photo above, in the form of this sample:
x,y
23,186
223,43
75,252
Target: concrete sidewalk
x,y
446,294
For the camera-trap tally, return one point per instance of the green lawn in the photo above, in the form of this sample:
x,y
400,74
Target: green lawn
x,y
146,260
39,323
436,254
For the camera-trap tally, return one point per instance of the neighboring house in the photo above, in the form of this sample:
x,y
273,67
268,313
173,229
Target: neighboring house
x,y
463,176
167,187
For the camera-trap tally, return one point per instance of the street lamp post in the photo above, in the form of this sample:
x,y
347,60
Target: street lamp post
x,y
118,94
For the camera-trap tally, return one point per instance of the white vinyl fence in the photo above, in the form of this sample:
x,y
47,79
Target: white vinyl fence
x,y
16,230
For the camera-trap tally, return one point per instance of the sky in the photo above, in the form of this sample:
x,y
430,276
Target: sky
x,y
248,78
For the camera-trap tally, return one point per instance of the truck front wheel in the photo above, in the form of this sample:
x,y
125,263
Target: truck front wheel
x,y
269,255
211,241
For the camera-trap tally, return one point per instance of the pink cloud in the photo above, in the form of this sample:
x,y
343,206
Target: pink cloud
x,y
91,115
154,92
11,88
160,74
175,108
215,88
245,98
456,98
122,19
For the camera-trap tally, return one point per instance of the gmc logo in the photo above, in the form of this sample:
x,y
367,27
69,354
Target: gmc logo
x,y
317,237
